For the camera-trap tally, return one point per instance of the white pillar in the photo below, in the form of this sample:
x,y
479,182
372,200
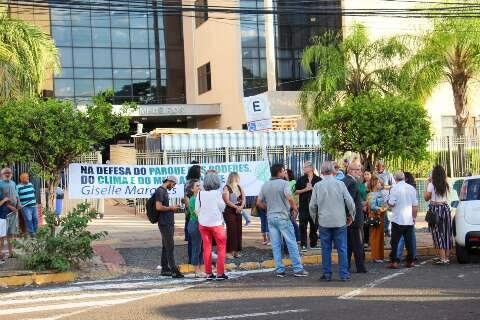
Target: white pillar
x,y
270,46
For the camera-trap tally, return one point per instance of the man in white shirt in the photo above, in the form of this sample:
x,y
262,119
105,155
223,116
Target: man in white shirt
x,y
403,201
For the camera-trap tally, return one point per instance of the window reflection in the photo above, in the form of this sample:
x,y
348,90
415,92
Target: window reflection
x,y
82,57
101,37
84,87
102,58
64,88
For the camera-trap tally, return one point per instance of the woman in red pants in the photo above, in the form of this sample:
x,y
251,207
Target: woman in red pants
x,y
209,207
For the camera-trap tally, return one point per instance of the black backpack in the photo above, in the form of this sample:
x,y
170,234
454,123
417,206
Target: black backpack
x,y
151,209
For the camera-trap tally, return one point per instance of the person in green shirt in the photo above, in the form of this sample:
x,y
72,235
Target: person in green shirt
x,y
192,228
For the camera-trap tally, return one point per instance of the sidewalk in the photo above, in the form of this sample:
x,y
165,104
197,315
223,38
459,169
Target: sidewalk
x,y
133,243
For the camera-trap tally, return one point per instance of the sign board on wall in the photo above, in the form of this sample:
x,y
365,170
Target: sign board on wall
x,y
96,181
258,114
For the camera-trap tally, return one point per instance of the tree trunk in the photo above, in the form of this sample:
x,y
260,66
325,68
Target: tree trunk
x,y
52,188
459,88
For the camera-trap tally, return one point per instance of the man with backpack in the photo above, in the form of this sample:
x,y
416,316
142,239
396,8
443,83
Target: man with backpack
x,y
166,225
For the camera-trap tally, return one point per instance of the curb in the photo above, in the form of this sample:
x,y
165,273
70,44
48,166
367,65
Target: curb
x,y
36,278
306,260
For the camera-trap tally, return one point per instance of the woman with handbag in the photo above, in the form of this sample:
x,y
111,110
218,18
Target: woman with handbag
x,y
376,219
439,217
234,198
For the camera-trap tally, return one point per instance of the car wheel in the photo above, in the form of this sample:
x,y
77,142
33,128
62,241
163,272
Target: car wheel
x,y
462,254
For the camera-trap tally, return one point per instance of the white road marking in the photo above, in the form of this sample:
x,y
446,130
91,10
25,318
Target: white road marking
x,y
373,284
113,294
461,276
356,292
251,315
88,304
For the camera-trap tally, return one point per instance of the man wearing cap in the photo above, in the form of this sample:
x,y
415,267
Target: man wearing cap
x,y
166,225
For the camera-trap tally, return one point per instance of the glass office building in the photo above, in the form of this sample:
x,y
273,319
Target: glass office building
x,y
293,32
254,61
135,50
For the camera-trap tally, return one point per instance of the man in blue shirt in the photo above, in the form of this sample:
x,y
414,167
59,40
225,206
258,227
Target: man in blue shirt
x,y
9,188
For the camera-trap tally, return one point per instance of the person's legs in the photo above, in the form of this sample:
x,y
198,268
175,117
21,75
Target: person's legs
x,y
196,242
340,238
221,240
303,218
295,228
386,226
288,234
326,242
35,218
357,247
396,234
349,246
313,235
164,260
276,239
28,218
170,245
407,235
414,243
246,216
401,246
12,231
206,235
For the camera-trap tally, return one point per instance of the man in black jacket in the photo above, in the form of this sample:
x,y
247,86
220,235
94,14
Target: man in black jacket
x,y
355,231
304,187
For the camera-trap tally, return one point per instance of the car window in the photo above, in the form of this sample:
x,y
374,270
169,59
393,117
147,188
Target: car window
x,y
470,190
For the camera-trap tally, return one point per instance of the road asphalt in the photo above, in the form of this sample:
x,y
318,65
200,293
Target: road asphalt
x,y
424,292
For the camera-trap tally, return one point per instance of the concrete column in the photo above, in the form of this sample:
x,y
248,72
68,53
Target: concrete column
x,y
270,46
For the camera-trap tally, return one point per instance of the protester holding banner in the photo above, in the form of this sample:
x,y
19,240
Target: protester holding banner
x,y
195,238
209,206
166,224
234,198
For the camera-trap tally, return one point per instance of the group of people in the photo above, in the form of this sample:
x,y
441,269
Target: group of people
x,y
340,207
16,200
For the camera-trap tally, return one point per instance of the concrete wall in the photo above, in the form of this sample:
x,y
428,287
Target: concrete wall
x,y
216,41
123,154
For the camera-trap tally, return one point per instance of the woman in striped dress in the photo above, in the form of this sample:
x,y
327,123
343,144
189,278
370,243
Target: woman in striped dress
x,y
437,194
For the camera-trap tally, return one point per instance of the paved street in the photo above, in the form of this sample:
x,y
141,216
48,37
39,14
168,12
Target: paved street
x,y
427,291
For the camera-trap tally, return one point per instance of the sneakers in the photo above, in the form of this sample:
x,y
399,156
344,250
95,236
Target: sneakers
x,y
441,262
325,277
222,277
211,277
409,265
345,279
281,274
304,248
302,273
393,265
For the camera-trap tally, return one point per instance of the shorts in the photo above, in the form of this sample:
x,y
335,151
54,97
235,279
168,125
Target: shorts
x,y
3,228
12,224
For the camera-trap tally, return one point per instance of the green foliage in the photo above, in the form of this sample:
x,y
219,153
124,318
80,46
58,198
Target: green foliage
x,y
376,127
449,52
52,133
63,247
346,68
28,56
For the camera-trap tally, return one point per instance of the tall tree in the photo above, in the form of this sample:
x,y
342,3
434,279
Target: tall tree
x,y
347,67
449,52
51,134
28,57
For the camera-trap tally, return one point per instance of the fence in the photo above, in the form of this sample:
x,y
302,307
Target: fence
x,y
460,156
41,185
292,157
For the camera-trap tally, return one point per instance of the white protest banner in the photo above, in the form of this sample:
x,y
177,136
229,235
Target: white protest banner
x,y
96,181
258,113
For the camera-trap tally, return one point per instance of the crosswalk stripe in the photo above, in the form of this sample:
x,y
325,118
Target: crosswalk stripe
x,y
78,297
86,304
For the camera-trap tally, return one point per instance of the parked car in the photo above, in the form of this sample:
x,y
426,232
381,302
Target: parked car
x,y
466,223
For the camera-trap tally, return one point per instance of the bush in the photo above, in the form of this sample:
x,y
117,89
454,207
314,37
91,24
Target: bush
x,y
62,242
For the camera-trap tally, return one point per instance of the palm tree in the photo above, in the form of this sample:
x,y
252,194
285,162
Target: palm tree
x,y
27,57
348,68
450,53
